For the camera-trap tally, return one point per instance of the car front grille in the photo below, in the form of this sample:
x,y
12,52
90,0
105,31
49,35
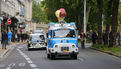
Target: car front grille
x,y
64,48
34,43
41,43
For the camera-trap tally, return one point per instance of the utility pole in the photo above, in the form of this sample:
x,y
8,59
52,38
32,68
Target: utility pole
x,y
0,20
85,16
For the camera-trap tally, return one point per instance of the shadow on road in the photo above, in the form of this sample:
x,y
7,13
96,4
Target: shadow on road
x,y
39,49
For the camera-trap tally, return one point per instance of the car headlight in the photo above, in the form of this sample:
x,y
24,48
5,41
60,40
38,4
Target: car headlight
x,y
56,46
45,41
29,42
73,46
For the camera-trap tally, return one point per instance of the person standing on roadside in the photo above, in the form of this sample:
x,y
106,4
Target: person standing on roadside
x,y
16,37
9,37
19,36
89,36
82,36
118,37
4,39
94,37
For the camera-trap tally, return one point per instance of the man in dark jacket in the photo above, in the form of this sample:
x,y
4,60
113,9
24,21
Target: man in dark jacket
x,y
82,36
94,37
4,39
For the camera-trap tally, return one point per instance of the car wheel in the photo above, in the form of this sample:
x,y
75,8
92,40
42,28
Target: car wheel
x,y
28,47
52,57
48,55
74,56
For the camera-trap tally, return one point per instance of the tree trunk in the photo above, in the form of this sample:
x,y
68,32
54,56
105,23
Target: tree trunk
x,y
79,15
88,11
100,11
108,22
106,42
114,22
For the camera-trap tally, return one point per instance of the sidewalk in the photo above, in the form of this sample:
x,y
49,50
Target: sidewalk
x,y
3,51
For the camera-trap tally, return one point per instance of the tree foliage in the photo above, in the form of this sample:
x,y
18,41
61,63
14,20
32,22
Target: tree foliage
x,y
38,14
96,9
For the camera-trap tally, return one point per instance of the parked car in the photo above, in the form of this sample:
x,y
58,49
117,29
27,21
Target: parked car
x,y
36,41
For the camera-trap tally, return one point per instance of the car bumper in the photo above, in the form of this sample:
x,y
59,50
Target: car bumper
x,y
40,46
62,54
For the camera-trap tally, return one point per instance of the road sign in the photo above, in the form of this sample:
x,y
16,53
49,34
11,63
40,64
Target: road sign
x,y
9,21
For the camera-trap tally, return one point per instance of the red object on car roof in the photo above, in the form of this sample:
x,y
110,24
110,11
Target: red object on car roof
x,y
62,12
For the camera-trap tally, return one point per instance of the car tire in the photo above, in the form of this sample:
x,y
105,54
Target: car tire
x,y
52,57
48,56
29,49
74,56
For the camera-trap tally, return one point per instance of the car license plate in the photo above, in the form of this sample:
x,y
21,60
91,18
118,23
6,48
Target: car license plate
x,y
65,51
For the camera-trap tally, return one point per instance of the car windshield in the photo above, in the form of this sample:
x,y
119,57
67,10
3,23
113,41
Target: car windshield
x,y
63,33
37,37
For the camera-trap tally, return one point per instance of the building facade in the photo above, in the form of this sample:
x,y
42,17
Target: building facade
x,y
28,16
12,9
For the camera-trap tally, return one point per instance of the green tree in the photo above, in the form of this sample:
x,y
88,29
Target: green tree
x,y
100,12
107,20
38,14
114,22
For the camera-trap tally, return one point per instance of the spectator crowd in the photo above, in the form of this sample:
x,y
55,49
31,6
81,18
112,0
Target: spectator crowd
x,y
92,37
8,37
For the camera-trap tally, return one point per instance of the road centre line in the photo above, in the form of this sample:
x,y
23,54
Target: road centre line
x,y
36,68
22,64
28,59
8,68
33,65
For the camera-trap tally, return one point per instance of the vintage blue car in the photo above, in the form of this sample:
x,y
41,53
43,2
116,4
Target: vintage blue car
x,y
62,40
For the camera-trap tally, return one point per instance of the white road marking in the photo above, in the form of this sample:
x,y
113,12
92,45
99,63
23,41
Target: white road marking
x,y
2,65
33,65
20,47
36,68
22,64
81,59
25,56
8,68
12,65
29,61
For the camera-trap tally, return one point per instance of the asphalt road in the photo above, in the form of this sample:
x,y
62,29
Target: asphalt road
x,y
21,58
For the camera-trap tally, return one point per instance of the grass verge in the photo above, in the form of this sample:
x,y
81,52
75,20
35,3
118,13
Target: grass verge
x,y
116,50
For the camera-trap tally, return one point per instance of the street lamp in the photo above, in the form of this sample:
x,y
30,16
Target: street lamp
x,y
85,16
